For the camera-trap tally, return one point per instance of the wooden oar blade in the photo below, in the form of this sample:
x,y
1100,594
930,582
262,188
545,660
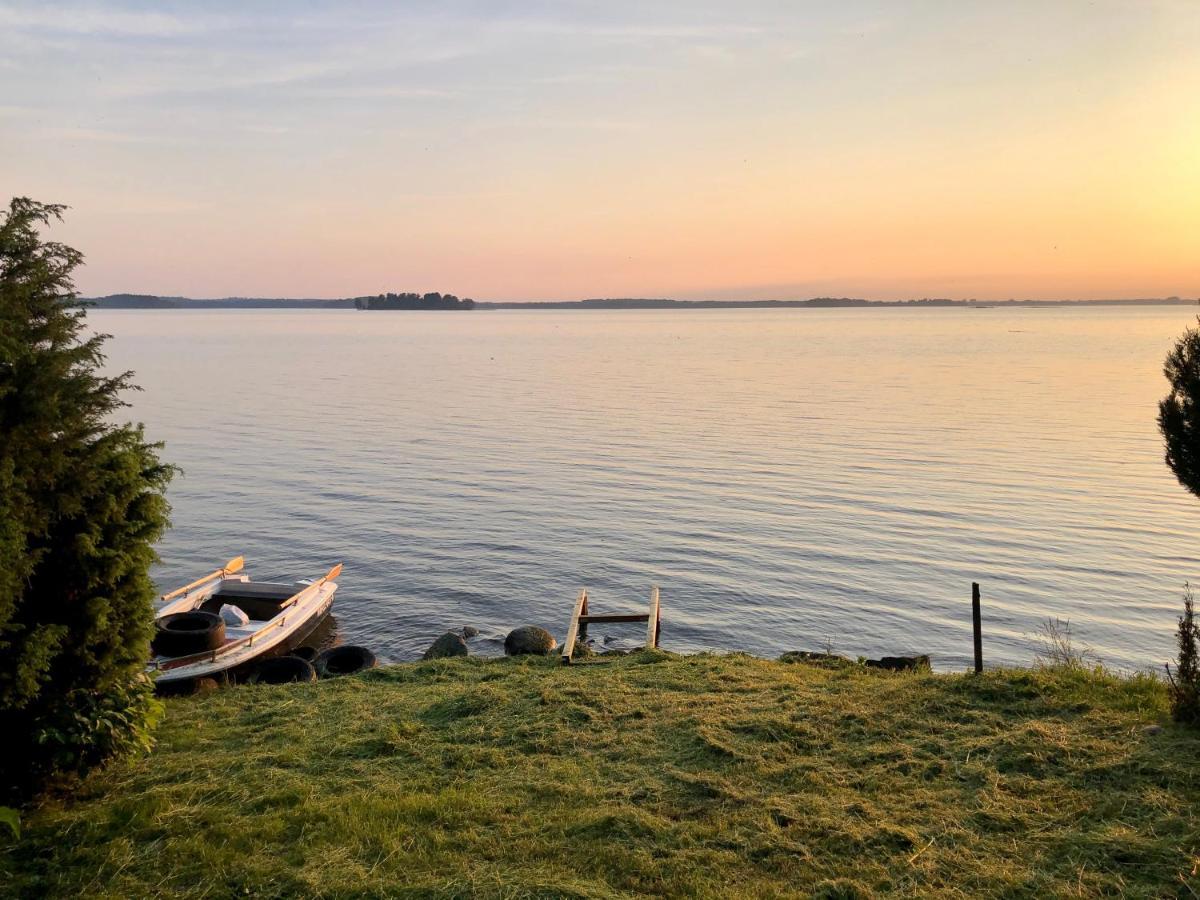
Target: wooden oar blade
x,y
220,573
334,572
234,565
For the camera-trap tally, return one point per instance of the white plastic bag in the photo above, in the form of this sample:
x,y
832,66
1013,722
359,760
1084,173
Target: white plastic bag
x,y
234,616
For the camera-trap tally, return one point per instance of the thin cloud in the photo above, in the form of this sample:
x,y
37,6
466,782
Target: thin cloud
x,y
98,136
380,92
94,20
664,32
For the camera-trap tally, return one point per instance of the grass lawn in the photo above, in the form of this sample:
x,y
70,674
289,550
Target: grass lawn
x,y
712,776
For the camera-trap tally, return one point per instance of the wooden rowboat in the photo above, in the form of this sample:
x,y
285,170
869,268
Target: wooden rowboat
x,y
221,624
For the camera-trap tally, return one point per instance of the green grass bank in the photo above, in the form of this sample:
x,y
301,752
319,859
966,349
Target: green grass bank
x,y
711,776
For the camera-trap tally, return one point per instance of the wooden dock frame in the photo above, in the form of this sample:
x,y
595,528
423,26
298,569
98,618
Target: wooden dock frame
x,y
581,618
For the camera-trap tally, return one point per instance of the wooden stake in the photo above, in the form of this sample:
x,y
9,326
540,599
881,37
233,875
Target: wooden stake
x,y
652,621
978,627
573,630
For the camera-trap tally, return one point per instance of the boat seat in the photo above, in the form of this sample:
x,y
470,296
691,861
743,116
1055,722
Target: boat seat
x,y
257,608
260,601
258,590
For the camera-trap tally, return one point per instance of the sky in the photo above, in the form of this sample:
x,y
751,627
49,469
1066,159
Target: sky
x,y
696,149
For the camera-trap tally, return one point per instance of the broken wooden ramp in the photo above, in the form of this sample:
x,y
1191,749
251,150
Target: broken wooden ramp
x,y
581,617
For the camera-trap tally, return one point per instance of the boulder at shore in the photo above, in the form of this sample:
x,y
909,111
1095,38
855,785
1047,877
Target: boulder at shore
x,y
900,663
449,644
529,639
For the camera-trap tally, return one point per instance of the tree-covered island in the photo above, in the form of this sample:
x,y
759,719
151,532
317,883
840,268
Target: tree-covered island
x,y
432,300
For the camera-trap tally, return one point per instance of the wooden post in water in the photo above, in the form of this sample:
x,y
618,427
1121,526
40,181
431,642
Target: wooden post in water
x,y
978,627
653,623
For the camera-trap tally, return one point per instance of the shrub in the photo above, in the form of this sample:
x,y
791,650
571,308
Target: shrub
x,y
11,820
1058,648
1185,683
81,504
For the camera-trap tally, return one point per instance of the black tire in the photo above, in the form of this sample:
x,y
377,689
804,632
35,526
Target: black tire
x,y
308,654
181,634
282,670
344,661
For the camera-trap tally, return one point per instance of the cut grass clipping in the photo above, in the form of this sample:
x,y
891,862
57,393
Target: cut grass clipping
x,y
711,776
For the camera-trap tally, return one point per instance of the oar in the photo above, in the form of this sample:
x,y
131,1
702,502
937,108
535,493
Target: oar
x,y
231,567
329,576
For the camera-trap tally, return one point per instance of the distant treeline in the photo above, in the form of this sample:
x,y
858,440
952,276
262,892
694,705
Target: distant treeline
x,y
652,303
150,301
379,301
815,302
435,300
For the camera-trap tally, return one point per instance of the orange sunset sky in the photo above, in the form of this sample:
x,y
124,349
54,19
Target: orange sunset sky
x,y
568,150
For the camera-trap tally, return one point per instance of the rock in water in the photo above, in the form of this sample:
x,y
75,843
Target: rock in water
x,y
449,644
900,663
529,639
470,631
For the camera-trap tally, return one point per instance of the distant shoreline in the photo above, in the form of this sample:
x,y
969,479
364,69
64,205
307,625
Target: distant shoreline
x,y
150,301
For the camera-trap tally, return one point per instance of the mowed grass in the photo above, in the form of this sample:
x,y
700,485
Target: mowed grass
x,y
653,774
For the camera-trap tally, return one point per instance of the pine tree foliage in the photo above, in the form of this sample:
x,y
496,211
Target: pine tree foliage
x,y
1179,411
81,504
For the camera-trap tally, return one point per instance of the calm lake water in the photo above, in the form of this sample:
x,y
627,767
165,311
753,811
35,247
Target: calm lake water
x,y
789,478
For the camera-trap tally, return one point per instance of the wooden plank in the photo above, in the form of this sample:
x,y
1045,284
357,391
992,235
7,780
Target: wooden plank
x,y
652,620
617,617
573,629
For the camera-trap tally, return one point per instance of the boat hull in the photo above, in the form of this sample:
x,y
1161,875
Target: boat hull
x,y
225,668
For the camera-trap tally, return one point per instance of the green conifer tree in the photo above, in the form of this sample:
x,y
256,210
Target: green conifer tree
x,y
1179,411
81,504
1185,683
1179,422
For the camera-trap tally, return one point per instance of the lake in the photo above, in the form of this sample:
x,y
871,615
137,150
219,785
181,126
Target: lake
x,y
792,479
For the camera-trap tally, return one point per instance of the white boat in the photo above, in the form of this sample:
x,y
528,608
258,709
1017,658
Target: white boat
x,y
221,624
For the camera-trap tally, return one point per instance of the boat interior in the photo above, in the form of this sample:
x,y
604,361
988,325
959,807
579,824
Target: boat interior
x,y
258,600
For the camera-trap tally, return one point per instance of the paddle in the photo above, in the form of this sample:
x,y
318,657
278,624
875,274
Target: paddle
x,y
329,576
231,567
